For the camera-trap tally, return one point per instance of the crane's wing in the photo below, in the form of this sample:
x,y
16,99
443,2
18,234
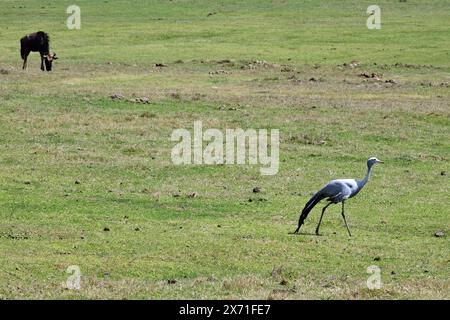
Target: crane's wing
x,y
335,191
339,190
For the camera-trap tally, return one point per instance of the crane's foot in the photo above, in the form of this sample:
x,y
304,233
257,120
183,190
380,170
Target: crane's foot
x,y
317,232
296,231
348,230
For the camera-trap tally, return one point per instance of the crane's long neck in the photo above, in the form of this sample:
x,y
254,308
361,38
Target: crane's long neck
x,y
362,183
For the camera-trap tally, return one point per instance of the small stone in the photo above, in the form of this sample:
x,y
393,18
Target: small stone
x,y
117,96
171,281
354,64
443,173
256,189
144,100
439,234
376,259
106,229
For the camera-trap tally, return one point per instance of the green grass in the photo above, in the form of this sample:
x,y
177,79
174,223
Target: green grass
x,y
74,162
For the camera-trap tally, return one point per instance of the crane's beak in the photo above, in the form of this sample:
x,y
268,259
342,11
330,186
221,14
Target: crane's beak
x,y
379,161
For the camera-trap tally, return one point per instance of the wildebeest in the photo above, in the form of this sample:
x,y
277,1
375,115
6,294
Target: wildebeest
x,y
37,42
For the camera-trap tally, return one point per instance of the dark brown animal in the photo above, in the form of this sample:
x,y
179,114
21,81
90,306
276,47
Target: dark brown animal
x,y
37,42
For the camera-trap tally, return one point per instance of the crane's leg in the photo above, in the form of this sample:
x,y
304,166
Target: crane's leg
x,y
321,216
345,220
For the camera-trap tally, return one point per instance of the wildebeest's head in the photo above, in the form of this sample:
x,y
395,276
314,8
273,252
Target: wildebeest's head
x,y
48,58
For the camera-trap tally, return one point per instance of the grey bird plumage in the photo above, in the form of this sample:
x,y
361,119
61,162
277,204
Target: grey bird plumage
x,y
334,192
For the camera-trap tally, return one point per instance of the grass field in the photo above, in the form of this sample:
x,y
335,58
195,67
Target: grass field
x,y
88,180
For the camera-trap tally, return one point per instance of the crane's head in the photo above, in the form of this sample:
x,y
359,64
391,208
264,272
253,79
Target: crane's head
x,y
372,161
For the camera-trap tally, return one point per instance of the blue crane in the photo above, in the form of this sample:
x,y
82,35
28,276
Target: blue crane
x,y
336,191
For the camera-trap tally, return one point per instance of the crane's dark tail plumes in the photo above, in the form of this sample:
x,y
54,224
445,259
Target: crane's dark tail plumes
x,y
315,199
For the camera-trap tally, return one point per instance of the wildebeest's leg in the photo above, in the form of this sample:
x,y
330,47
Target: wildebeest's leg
x,y
321,216
42,63
24,57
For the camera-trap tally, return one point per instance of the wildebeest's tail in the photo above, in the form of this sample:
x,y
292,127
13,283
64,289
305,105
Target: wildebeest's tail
x,y
23,47
315,199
